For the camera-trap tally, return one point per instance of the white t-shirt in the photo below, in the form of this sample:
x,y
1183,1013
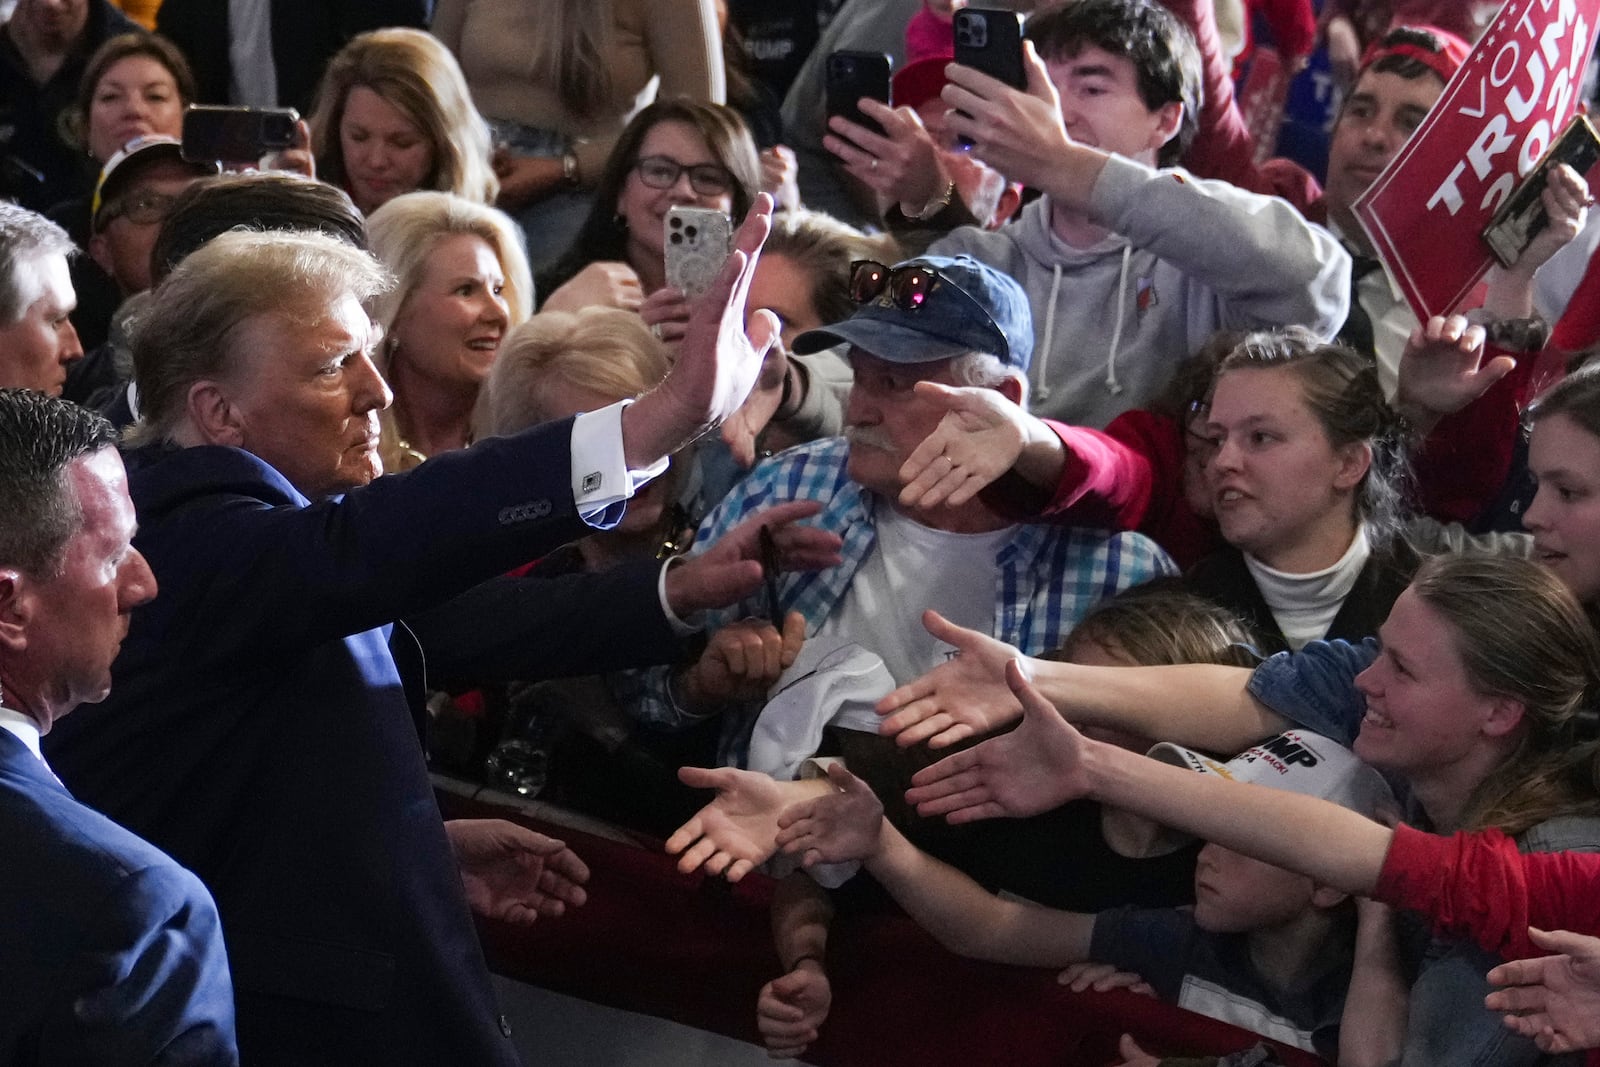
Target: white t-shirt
x,y
912,568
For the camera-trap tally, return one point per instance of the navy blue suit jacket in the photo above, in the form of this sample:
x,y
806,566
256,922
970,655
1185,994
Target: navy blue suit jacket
x,y
110,953
258,731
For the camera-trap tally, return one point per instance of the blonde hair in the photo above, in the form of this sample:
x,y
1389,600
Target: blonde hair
x,y
597,349
572,54
404,232
416,73
188,331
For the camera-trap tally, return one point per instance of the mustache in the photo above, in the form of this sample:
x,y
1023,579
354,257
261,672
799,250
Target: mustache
x,y
870,436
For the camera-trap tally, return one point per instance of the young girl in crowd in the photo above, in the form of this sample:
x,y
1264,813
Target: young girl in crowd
x,y
1473,702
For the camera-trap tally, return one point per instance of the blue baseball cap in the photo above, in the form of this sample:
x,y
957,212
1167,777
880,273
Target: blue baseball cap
x,y
971,307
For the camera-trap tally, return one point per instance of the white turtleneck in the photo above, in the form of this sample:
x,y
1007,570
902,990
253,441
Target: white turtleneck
x,y
1304,605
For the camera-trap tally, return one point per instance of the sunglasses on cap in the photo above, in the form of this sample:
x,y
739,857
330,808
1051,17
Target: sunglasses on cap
x,y
908,288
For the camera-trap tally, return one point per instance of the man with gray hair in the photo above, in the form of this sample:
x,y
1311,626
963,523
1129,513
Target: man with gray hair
x,y
260,730
922,327
37,340
113,953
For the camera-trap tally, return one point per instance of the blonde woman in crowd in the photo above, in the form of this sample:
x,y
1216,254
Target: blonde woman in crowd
x,y
393,115
463,284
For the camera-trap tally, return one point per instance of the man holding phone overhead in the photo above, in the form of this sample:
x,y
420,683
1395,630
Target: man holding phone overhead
x,y
1128,268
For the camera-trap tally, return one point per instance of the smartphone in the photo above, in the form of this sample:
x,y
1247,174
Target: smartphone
x,y
990,40
697,240
849,76
1521,218
771,569
236,134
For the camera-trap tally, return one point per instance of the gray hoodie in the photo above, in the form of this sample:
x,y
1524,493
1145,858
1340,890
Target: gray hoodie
x,y
1186,258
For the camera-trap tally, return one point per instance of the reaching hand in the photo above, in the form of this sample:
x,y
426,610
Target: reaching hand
x,y
741,662
1019,134
736,831
1101,978
900,165
742,432
604,283
961,697
836,827
980,437
1556,999
718,360
791,1009
730,569
1034,768
1442,368
1134,1056
511,873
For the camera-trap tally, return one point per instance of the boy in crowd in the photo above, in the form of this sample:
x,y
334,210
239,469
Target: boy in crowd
x,y
1263,948
1128,268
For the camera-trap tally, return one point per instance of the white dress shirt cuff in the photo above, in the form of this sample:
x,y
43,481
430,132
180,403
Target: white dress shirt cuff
x,y
601,480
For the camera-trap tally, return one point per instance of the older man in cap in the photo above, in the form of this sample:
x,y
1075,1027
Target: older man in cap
x,y
924,327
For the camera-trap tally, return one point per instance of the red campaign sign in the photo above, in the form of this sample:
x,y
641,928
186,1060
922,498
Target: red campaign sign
x,y
1512,97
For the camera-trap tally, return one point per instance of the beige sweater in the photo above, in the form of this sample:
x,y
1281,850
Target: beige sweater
x,y
676,39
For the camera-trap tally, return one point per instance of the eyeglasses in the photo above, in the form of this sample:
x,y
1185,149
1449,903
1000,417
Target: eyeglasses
x,y
143,208
661,172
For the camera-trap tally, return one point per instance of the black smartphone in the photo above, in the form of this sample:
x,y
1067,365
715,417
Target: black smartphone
x,y
771,567
853,75
1521,218
990,40
236,134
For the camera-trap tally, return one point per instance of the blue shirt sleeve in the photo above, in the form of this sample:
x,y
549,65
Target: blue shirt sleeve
x,y
1150,942
1315,688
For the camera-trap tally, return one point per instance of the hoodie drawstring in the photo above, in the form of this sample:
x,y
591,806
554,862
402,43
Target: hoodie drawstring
x,y
1041,363
1116,330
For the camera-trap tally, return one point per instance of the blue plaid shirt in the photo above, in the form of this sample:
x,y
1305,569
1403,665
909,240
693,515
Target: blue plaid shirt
x,y
1049,575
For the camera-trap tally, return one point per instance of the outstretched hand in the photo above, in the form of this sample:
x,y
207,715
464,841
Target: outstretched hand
x,y
1442,369
719,357
730,569
513,874
834,828
1032,769
737,830
980,437
1555,999
961,697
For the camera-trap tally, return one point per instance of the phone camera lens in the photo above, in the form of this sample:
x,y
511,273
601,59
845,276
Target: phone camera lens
x,y
690,231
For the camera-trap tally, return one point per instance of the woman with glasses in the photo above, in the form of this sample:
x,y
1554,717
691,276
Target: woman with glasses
x,y
135,85
674,152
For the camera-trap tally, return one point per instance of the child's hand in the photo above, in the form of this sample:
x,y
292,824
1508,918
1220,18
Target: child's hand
x,y
842,826
1134,1056
1102,977
791,1009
